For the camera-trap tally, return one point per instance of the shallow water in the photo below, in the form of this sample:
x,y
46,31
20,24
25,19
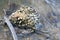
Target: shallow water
x,y
43,8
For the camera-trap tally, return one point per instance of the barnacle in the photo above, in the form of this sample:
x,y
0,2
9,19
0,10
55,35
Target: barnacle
x,y
25,17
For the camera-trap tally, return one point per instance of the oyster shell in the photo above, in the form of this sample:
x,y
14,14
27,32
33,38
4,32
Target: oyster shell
x,y
26,17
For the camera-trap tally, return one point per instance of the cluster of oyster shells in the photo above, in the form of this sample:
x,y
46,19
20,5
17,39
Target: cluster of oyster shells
x,y
25,17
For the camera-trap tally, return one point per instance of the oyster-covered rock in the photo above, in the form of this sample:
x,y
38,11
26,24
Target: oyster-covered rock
x,y
25,17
